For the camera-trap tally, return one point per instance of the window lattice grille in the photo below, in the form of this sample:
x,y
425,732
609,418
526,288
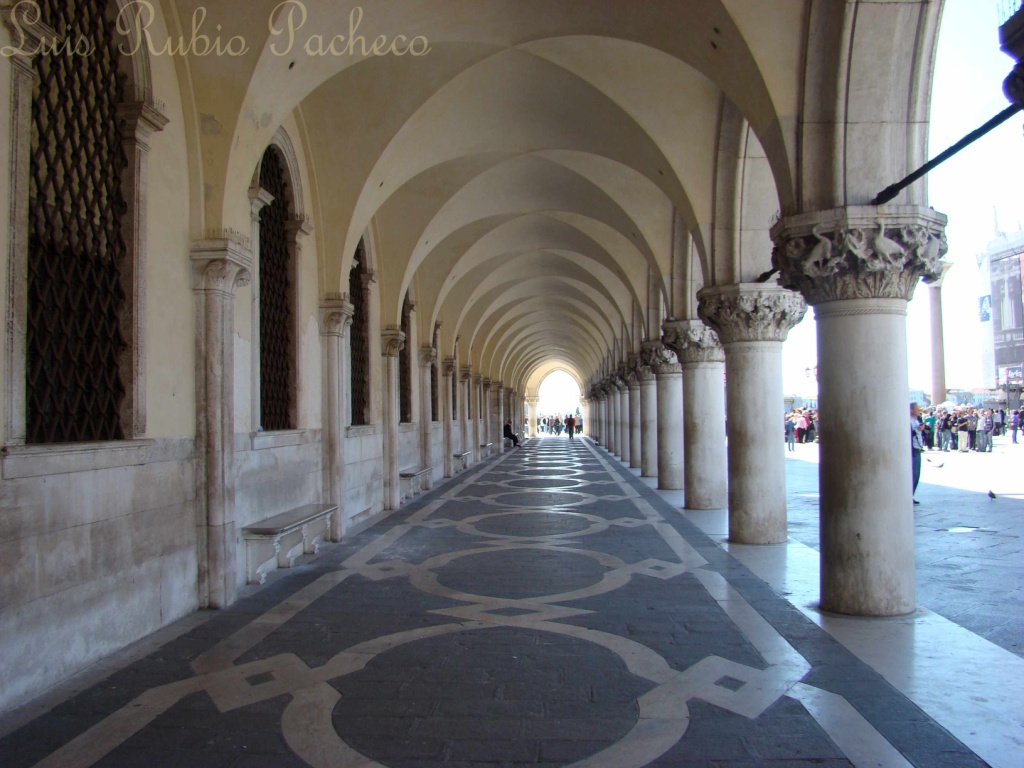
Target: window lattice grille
x,y
405,365
276,344
358,285
76,250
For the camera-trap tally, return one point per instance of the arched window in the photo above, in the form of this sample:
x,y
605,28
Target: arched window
x,y
277,343
405,362
435,400
358,288
78,334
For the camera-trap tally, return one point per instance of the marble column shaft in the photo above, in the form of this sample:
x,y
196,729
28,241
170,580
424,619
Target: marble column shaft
x,y
648,423
335,320
634,422
703,361
752,320
858,267
669,377
220,267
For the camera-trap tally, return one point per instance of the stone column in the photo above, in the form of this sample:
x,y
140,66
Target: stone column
x,y
531,403
703,361
501,418
858,267
335,320
622,385
474,396
447,372
633,382
752,320
613,417
648,422
392,344
938,342
669,376
465,415
219,267
428,357
488,433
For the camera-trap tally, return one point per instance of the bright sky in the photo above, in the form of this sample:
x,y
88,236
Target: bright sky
x,y
967,92
559,394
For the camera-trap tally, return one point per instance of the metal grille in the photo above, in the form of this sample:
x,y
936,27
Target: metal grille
x,y
358,284
276,343
76,249
435,399
405,365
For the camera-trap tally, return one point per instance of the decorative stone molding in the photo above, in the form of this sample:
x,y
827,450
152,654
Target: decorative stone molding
x,y
859,252
392,341
750,311
692,341
448,367
220,266
659,359
466,374
336,317
428,356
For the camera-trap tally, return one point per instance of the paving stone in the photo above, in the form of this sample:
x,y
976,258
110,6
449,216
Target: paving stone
x,y
520,693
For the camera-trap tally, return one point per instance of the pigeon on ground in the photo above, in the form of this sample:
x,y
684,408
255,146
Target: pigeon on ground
x,y
991,495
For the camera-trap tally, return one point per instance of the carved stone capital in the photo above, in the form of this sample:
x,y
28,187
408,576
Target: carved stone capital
x,y
220,266
466,373
448,366
477,378
428,356
28,32
336,317
299,227
658,358
750,311
859,252
692,341
392,341
138,120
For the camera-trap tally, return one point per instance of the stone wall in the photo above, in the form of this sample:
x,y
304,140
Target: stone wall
x,y
364,462
97,549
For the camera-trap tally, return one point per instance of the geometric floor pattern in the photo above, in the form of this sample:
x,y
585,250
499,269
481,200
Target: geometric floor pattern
x,y
543,608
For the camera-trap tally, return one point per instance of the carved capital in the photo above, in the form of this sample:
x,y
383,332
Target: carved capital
x,y
692,341
392,342
658,358
448,366
466,373
220,266
859,252
428,356
299,227
750,311
138,120
336,317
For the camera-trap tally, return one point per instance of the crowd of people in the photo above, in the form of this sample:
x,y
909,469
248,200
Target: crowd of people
x,y
555,425
967,429
801,427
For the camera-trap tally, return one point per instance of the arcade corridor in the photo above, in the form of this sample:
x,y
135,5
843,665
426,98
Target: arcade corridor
x,y
545,607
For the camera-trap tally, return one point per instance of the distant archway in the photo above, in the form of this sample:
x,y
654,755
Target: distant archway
x,y
559,395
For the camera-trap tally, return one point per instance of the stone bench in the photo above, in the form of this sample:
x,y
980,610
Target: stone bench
x,y
415,481
462,460
485,449
278,540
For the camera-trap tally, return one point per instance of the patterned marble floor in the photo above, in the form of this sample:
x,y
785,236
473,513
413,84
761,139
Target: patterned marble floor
x,y
545,607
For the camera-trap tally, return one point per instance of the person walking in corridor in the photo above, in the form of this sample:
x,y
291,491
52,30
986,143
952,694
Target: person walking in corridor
x,y
570,425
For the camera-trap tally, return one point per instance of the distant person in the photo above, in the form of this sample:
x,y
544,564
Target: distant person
x,y
510,434
916,446
790,434
570,425
1014,425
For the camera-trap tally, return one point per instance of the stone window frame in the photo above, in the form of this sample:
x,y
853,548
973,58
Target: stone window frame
x,y
139,117
300,227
